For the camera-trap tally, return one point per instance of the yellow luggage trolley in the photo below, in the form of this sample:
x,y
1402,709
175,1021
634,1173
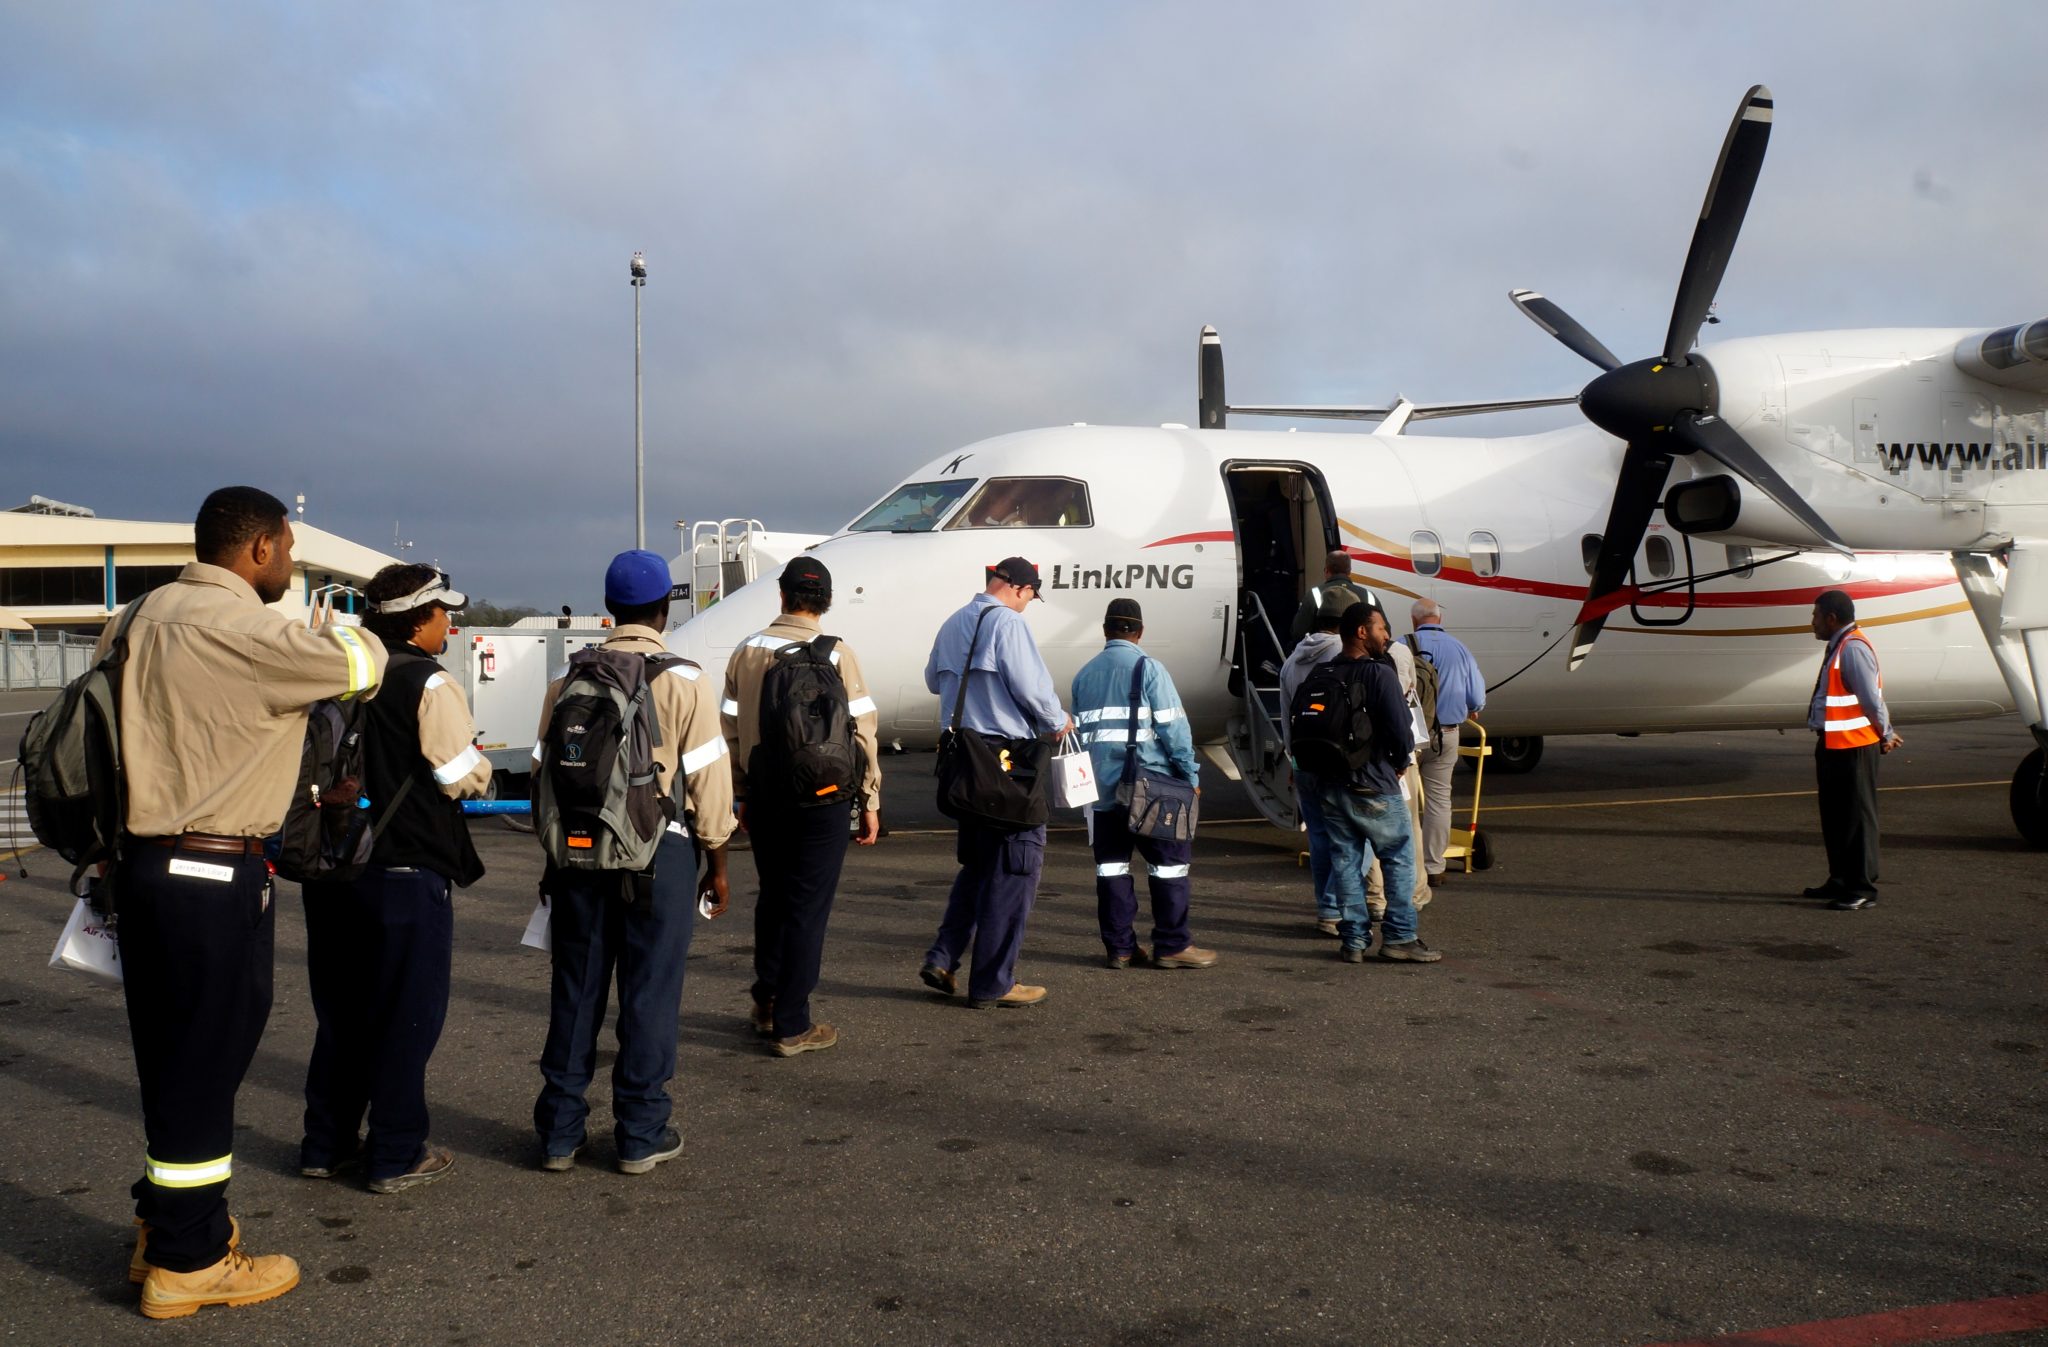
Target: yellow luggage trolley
x,y
1468,843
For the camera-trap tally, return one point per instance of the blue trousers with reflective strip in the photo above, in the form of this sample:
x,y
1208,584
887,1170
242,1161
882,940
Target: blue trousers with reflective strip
x,y
1116,893
197,953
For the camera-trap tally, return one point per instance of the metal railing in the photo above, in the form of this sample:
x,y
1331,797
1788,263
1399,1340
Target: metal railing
x,y
38,659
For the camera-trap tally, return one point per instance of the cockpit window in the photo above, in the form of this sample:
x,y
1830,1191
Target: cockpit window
x,y
915,507
1026,503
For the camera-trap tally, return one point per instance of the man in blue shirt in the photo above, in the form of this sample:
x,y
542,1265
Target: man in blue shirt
x,y
1460,696
1164,744
1010,696
1364,813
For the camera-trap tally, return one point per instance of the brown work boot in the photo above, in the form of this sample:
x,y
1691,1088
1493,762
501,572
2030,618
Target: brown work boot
x,y
237,1279
1327,928
1191,957
436,1162
764,1018
814,1039
938,979
1018,995
139,1266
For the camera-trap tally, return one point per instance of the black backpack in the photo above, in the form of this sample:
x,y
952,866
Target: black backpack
x,y
1329,729
328,833
74,793
807,746
597,801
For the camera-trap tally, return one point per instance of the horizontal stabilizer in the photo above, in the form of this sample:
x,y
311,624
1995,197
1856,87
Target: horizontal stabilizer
x,y
1415,411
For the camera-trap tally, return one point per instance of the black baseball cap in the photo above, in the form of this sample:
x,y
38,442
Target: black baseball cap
x,y
1019,572
806,573
1123,612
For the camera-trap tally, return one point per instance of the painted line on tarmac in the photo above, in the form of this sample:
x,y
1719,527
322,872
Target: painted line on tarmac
x,y
1709,799
1923,1323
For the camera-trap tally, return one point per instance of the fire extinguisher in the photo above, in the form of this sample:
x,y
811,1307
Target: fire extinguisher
x,y
490,662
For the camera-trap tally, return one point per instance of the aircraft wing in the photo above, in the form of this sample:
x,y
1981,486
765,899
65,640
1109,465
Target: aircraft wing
x,y
1414,411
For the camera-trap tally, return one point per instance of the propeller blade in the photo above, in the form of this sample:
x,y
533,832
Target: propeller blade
x,y
1564,327
1211,407
1636,493
1742,158
1712,436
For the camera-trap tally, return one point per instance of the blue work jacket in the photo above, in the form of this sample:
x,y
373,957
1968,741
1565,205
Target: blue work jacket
x,y
1102,715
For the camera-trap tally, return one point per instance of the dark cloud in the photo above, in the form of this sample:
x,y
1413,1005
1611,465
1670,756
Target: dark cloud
x,y
378,254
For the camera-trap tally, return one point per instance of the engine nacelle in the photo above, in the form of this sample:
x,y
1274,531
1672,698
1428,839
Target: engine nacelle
x,y
1725,510
2011,357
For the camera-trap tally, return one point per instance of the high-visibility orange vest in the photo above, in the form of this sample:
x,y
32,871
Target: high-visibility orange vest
x,y
1845,725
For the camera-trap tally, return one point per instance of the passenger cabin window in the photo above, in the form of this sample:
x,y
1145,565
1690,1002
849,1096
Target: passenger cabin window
x,y
1742,561
1485,550
915,507
1026,503
1657,556
1589,551
1426,552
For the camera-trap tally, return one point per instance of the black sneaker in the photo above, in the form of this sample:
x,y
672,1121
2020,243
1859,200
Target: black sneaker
x,y
333,1169
1409,951
1853,902
671,1146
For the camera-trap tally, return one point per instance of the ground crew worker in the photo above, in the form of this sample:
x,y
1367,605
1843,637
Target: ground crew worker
x,y
378,946
1103,713
798,848
1013,699
1460,696
592,930
1852,730
1402,657
1338,590
213,717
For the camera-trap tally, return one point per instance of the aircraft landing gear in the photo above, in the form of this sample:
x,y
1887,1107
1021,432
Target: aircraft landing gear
x,y
1517,756
2030,799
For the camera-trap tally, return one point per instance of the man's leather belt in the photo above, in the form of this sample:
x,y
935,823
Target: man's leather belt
x,y
228,846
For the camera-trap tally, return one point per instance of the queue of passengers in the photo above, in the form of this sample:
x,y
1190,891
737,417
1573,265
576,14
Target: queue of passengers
x,y
642,774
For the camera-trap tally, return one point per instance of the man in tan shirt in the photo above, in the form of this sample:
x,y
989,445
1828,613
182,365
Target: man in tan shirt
x,y
213,701
596,921
380,943
796,813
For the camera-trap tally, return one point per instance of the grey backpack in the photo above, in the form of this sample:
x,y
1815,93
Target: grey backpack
x,y
597,801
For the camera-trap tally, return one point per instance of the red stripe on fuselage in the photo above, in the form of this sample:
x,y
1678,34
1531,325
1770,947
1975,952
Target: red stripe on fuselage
x,y
1623,597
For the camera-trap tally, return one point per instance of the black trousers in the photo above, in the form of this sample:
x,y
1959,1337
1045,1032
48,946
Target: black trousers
x,y
1847,778
378,950
197,932
798,853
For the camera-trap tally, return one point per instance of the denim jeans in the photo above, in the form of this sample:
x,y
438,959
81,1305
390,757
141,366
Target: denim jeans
x,y
1364,828
1308,797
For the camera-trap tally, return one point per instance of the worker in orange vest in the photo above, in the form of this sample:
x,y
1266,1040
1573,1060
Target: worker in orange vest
x,y
1852,729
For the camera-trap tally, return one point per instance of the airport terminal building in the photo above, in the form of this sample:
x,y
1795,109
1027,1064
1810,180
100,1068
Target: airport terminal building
x,y
64,570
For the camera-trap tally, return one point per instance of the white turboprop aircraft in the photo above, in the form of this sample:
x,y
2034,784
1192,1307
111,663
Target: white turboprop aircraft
x,y
1919,456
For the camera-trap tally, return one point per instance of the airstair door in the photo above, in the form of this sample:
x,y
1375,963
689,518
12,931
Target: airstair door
x,y
1285,524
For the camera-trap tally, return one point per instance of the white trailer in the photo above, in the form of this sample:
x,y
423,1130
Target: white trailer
x,y
505,672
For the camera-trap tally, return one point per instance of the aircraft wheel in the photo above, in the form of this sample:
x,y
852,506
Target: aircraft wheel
x,y
2030,799
1516,755
1482,850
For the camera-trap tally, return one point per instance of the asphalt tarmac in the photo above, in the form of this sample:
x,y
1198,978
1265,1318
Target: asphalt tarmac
x,y
1649,1096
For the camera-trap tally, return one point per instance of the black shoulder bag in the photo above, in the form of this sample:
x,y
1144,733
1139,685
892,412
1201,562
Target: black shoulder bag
x,y
984,778
1159,805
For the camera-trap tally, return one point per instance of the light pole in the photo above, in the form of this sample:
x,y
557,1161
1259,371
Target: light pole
x,y
639,442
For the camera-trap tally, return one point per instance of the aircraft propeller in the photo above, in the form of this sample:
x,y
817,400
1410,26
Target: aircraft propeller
x,y
1668,405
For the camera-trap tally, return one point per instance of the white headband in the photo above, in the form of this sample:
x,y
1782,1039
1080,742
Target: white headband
x,y
434,591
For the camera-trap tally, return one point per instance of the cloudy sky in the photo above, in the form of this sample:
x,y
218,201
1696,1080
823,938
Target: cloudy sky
x,y
377,252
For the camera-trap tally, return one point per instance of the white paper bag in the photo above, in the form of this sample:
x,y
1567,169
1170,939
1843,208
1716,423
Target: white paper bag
x,y
540,932
88,947
1073,775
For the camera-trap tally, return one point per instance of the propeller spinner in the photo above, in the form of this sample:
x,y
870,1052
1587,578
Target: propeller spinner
x,y
1668,405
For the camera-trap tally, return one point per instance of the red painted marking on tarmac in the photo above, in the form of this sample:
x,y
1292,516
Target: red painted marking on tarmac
x,y
1924,1323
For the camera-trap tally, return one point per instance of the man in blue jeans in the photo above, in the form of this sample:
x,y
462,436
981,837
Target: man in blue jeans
x,y
1364,813
1321,645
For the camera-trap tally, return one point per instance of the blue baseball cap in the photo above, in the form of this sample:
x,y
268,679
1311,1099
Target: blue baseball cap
x,y
636,579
